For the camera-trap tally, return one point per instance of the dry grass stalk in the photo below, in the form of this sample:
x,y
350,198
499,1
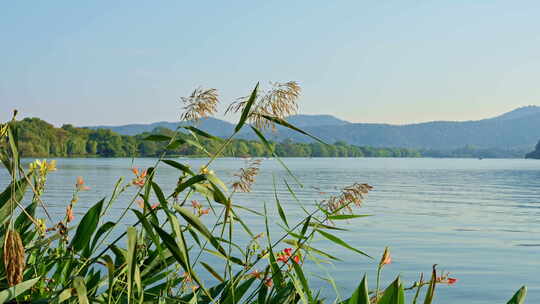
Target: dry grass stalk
x,y
200,104
14,261
280,101
350,195
246,176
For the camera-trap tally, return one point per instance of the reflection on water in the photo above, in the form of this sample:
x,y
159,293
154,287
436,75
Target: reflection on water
x,y
480,220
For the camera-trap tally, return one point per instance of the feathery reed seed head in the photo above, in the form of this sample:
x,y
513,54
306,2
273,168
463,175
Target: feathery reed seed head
x,y
14,261
279,101
353,194
246,176
200,104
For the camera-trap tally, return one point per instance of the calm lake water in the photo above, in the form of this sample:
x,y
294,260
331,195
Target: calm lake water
x,y
478,219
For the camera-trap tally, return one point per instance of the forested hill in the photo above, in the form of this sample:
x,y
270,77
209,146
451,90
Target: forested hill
x,y
38,138
518,130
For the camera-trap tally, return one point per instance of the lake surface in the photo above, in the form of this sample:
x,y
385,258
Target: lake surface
x,y
478,219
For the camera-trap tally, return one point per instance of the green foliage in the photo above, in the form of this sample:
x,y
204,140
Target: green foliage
x,y
40,139
170,253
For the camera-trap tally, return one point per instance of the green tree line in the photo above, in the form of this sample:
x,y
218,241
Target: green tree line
x,y
38,138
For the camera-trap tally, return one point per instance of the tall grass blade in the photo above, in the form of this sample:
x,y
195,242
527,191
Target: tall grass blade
x,y
340,242
13,292
131,260
284,123
519,296
393,294
361,294
247,109
430,294
80,287
87,227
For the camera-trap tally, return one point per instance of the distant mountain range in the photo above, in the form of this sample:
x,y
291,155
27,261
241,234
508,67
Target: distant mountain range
x,y
518,129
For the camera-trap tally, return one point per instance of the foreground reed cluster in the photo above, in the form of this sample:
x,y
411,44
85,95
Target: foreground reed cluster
x,y
170,254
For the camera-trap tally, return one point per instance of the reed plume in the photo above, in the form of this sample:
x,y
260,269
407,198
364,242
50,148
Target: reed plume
x,y
350,195
246,176
279,101
200,104
13,257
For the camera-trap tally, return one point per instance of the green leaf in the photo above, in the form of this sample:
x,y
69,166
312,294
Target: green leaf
x,y
277,277
148,229
271,149
175,144
212,271
131,260
300,273
234,297
394,294
247,109
103,229
13,140
178,166
157,137
282,122
201,133
430,294
179,254
15,291
261,294
519,296
305,226
263,139
195,221
361,294
281,212
346,216
169,241
14,190
216,181
311,249
65,295
80,287
87,227
193,180
340,242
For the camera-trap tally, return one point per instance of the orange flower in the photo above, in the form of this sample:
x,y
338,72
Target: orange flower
x,y
386,258
268,283
69,213
286,254
256,274
282,258
204,211
140,177
140,203
196,204
80,184
287,251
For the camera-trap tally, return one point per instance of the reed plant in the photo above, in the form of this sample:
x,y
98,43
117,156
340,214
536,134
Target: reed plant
x,y
170,254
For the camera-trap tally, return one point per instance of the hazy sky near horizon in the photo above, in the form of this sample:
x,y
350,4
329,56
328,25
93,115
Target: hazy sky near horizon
x,y
117,62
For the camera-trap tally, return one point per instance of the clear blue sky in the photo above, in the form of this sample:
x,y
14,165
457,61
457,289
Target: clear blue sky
x,y
116,62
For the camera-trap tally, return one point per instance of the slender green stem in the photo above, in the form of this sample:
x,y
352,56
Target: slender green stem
x,y
379,269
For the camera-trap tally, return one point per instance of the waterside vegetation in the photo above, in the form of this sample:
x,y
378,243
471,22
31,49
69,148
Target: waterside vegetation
x,y
38,138
170,255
